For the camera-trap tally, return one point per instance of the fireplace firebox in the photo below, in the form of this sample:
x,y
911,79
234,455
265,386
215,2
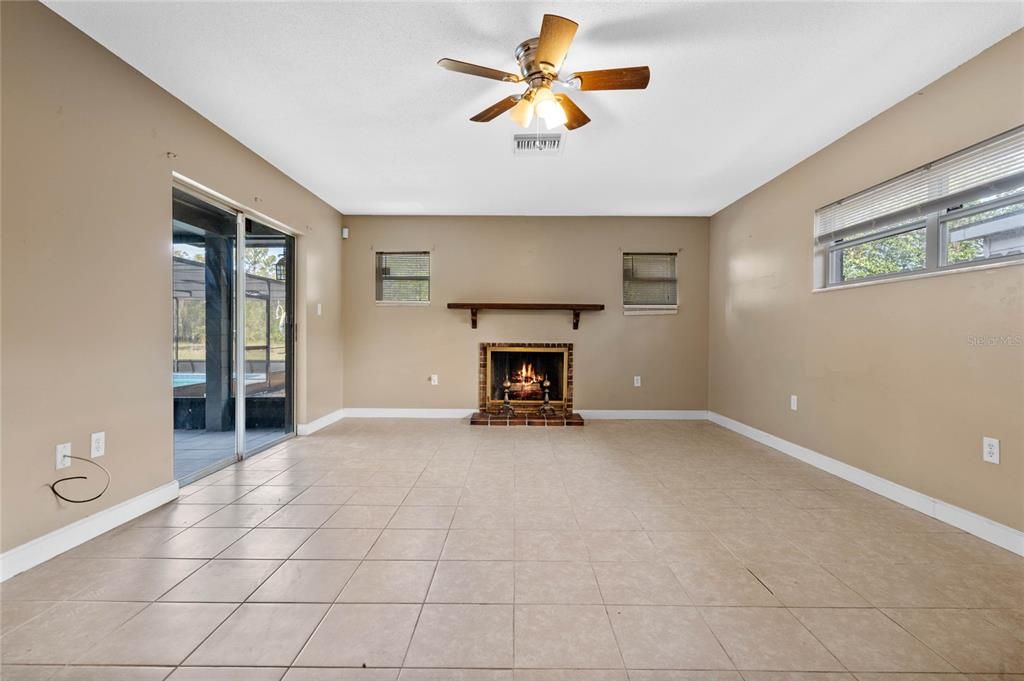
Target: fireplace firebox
x,y
526,370
523,373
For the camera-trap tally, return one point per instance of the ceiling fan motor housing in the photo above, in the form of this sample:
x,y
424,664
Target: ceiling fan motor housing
x,y
537,73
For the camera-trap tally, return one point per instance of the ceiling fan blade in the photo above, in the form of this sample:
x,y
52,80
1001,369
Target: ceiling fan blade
x,y
574,114
631,78
495,110
556,34
475,70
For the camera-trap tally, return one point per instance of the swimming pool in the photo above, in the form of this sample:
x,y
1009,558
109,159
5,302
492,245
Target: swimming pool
x,y
182,379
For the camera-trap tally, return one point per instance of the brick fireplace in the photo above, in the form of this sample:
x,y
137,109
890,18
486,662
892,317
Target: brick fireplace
x,y
523,369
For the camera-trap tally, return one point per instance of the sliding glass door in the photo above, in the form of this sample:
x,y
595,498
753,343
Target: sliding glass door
x,y
268,336
204,239
229,274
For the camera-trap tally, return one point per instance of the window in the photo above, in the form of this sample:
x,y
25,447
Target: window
x,y
992,227
649,281
875,256
963,210
403,277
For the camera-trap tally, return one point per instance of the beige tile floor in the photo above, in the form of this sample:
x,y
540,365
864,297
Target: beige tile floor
x,y
430,550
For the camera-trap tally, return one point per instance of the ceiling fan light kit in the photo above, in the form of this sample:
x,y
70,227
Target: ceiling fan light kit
x,y
540,60
548,109
522,112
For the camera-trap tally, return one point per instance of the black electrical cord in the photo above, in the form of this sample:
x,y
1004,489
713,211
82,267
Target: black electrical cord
x,y
53,485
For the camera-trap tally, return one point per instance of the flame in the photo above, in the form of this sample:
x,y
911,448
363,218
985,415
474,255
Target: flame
x,y
526,375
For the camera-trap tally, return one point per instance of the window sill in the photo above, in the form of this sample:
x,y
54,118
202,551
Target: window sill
x,y
922,275
402,303
649,310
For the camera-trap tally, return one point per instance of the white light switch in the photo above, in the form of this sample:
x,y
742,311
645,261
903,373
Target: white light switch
x,y
792,402
63,455
319,309
97,444
989,450
636,381
433,379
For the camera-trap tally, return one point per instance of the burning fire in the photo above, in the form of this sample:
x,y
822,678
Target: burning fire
x,y
526,375
523,377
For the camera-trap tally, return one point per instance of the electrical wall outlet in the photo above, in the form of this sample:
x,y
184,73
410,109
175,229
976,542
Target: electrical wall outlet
x,y
433,379
636,381
792,402
989,450
97,444
63,455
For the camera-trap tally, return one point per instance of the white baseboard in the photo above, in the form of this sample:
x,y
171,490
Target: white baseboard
x,y
968,521
322,422
596,414
645,414
42,549
389,413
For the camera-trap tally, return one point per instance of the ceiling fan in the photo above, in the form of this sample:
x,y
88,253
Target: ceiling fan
x,y
540,60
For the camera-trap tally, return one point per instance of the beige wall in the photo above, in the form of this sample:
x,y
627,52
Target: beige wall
x,y
390,352
86,267
887,378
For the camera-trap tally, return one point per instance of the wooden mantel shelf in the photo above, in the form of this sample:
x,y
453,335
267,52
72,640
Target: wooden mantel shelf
x,y
576,308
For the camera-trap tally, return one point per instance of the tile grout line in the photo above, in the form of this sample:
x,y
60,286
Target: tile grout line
x,y
330,606
419,614
700,613
815,637
515,569
234,610
915,637
245,600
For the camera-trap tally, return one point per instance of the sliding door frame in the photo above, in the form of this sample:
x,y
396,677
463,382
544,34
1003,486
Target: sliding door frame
x,y
239,322
244,214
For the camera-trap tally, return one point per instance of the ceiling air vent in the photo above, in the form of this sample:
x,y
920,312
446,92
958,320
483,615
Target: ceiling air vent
x,y
532,144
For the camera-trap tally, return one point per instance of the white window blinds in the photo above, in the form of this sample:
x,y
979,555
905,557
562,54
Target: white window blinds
x,y
403,277
995,164
649,279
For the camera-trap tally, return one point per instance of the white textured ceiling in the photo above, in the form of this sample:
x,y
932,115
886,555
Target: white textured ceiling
x,y
346,97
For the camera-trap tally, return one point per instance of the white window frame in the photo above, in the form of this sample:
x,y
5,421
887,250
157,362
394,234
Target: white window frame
x,y
955,214
834,262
